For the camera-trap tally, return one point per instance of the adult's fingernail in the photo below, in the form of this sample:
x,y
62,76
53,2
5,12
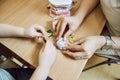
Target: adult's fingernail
x,y
57,38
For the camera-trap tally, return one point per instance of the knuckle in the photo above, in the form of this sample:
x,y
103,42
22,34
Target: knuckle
x,y
76,58
88,56
74,55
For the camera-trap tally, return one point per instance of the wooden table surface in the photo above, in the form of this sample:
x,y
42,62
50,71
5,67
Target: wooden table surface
x,y
24,13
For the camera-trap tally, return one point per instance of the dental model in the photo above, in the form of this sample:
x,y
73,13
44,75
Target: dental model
x,y
60,8
60,3
61,44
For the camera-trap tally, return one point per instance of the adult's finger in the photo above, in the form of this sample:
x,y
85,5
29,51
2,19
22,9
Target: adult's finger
x,y
67,34
59,23
79,41
62,28
76,55
74,48
54,24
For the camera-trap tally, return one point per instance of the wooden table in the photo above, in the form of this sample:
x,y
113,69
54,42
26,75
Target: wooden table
x,y
28,12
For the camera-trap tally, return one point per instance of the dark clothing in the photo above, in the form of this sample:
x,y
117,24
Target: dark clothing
x,y
21,73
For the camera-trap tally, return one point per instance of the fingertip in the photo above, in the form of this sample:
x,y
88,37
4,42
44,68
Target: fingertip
x,y
68,42
58,38
59,35
55,18
64,38
66,47
64,52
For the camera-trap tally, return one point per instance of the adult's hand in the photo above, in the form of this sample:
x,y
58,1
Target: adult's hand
x,y
60,25
84,47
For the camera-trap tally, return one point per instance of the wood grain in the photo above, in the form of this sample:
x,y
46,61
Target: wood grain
x,y
24,13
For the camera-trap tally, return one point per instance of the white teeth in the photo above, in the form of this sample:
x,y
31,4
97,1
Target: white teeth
x,y
61,10
57,11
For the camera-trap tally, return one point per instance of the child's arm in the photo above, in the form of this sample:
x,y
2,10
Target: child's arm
x,y
7,30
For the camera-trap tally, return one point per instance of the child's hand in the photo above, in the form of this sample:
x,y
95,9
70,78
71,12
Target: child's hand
x,y
35,31
47,55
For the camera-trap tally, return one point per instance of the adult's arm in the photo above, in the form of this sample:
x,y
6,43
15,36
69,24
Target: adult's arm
x,y
74,21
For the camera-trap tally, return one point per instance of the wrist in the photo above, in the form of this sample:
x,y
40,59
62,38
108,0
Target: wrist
x,y
79,17
26,33
20,32
45,66
101,41
108,43
43,69
40,73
